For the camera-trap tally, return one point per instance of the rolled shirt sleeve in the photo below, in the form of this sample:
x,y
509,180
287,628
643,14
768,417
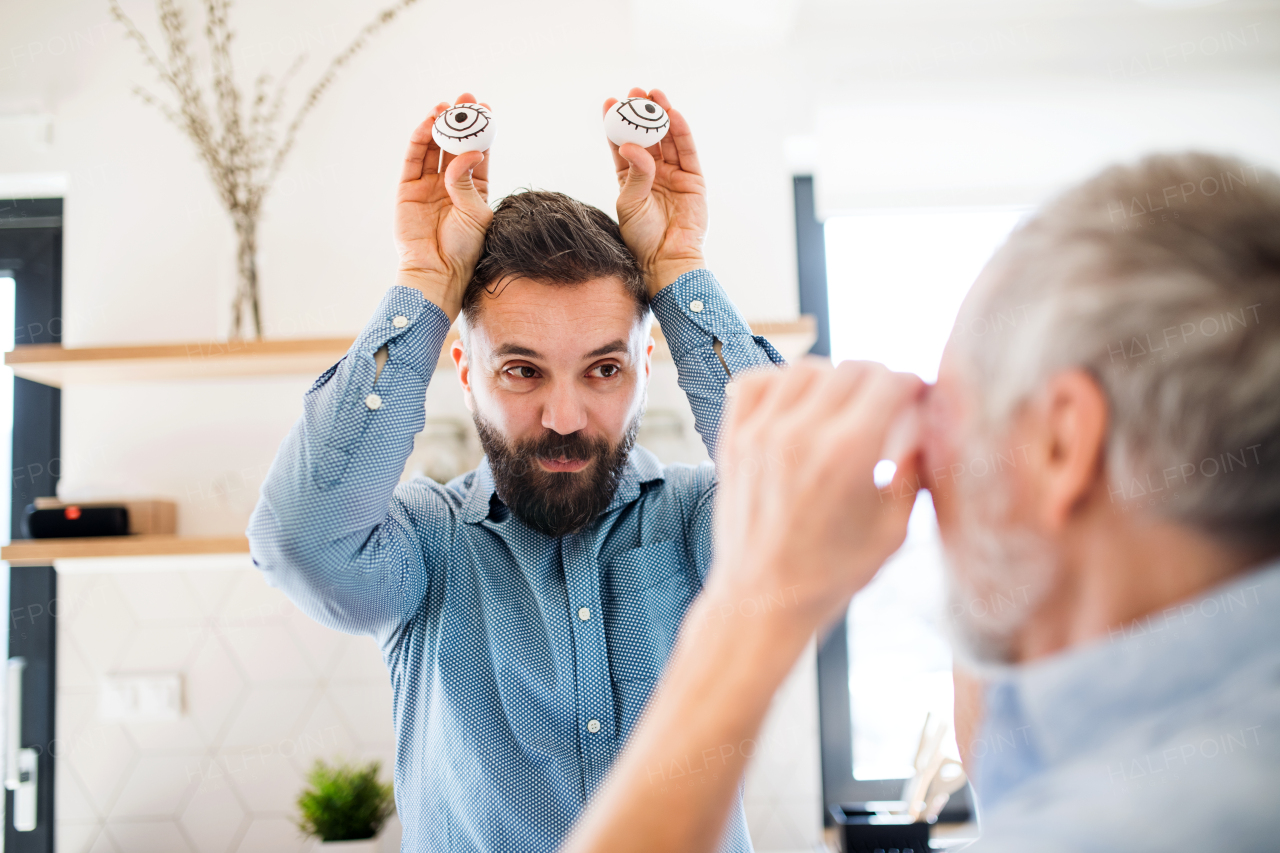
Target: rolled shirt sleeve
x,y
326,529
695,313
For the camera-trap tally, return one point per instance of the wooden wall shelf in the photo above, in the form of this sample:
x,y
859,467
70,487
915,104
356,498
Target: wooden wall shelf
x,y
51,364
42,552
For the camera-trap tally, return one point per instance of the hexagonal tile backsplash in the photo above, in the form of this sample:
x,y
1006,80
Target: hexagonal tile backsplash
x,y
266,692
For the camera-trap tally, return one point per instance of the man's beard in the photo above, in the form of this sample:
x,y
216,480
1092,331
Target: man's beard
x,y
556,503
999,570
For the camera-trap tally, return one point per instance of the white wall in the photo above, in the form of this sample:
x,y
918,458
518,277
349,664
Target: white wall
x,y
149,253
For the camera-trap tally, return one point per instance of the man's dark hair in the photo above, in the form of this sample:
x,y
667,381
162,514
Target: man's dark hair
x,y
554,239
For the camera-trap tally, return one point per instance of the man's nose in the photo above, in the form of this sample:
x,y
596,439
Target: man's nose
x,y
563,411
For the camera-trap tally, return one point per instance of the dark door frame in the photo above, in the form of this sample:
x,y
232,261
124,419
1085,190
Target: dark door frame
x,y
31,249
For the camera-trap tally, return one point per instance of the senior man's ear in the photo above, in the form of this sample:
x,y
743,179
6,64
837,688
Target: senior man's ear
x,y
458,352
1071,436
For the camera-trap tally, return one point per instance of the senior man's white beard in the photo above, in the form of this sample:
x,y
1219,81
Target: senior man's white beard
x,y
998,571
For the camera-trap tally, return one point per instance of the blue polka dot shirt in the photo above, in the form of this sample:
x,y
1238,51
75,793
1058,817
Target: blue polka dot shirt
x,y
519,662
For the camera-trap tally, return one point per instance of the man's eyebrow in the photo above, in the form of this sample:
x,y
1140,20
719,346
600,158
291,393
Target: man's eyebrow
x,y
516,349
613,346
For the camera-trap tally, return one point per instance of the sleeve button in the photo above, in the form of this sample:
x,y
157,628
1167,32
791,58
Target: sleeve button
x,y
593,726
373,401
399,321
696,306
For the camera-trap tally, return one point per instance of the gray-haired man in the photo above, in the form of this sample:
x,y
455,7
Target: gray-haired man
x,y
1103,451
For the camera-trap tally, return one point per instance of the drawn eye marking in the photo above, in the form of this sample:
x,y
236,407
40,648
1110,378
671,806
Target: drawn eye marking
x,y
643,113
637,120
464,127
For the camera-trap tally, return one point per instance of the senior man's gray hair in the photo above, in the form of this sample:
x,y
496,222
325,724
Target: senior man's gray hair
x,y
1162,280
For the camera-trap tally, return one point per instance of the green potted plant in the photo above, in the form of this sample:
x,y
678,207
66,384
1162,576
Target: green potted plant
x,y
345,806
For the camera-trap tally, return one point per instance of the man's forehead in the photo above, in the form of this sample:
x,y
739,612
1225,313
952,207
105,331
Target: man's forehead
x,y
525,316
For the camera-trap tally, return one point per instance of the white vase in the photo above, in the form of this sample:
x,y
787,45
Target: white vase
x,y
364,845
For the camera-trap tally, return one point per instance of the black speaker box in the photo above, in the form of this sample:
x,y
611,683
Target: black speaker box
x,y
862,831
69,521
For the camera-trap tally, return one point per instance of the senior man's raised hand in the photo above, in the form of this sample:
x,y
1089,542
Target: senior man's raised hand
x,y
662,199
800,527
442,213
797,506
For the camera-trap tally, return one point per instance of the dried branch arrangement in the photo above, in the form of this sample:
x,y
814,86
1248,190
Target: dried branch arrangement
x,y
238,138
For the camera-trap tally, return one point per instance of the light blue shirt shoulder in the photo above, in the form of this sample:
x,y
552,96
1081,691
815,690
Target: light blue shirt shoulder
x,y
1163,736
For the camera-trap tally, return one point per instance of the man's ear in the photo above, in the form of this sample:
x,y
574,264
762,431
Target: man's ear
x,y
458,353
648,359
1072,435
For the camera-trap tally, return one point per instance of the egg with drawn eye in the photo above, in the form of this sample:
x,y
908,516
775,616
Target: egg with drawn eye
x,y
464,127
637,120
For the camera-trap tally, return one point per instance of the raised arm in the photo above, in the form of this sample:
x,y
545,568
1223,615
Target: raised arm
x,y
330,528
801,522
662,210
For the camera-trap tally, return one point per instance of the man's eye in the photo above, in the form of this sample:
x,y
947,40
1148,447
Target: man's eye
x,y
608,370
523,372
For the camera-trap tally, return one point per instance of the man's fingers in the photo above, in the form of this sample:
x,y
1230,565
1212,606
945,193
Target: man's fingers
x,y
415,156
669,153
638,179
659,97
668,144
795,384
745,394
461,185
679,136
420,159
771,420
813,403
906,480
846,379
682,138
862,424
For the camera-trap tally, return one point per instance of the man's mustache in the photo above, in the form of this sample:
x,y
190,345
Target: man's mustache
x,y
552,445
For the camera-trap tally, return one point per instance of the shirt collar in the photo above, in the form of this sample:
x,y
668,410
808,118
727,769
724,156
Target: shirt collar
x,y
1085,695
641,469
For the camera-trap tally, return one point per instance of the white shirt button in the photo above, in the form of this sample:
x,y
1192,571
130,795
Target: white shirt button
x,y
399,322
373,401
593,726
584,613
696,306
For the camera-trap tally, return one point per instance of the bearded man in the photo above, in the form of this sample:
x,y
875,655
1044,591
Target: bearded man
x,y
526,609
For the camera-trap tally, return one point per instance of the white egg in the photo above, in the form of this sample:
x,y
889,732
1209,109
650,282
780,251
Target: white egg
x,y
464,127
636,120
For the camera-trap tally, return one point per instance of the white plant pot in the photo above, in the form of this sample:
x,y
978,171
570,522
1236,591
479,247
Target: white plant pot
x,y
366,845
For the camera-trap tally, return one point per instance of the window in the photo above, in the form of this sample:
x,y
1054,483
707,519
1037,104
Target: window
x,y
895,281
